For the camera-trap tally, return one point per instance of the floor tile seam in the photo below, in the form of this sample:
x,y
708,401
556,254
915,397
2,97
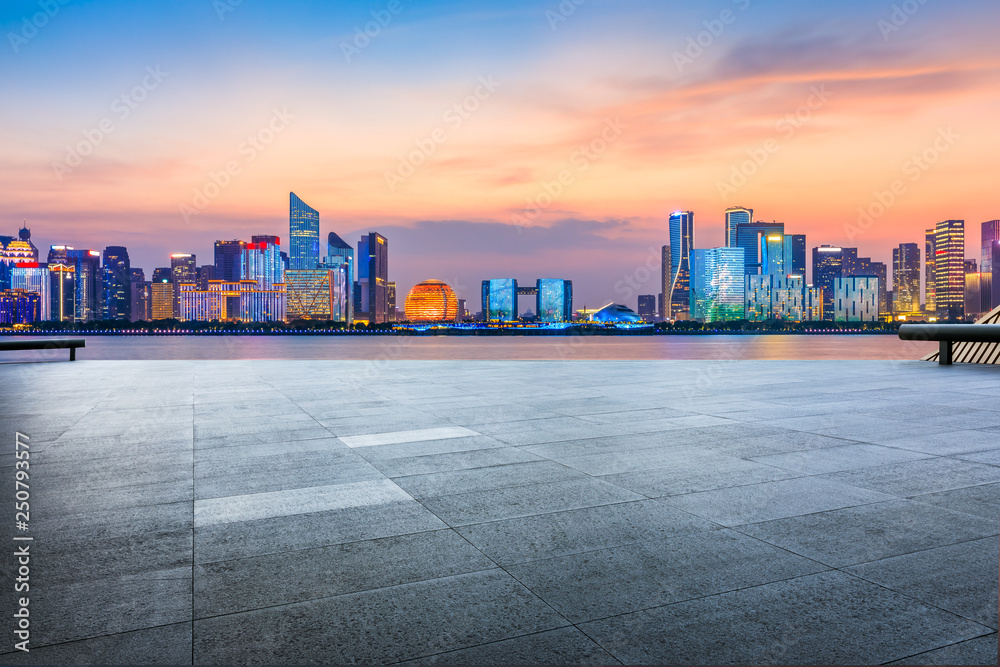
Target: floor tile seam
x,y
579,475
527,516
938,648
926,603
92,637
443,528
364,591
254,444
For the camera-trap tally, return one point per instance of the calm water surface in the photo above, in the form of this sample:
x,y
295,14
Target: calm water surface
x,y
490,348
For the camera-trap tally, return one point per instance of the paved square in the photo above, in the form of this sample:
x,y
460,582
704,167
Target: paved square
x,y
291,512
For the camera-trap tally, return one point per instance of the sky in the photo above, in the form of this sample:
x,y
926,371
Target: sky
x,y
518,139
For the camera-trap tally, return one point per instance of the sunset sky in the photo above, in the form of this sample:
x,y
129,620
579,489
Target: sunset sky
x,y
366,129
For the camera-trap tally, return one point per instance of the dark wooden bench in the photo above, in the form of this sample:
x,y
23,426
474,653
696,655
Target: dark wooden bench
x,y
45,344
948,334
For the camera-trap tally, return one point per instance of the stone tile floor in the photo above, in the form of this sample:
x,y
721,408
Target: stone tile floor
x,y
506,512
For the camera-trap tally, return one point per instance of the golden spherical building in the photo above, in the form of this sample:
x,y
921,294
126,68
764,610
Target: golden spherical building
x,y
431,301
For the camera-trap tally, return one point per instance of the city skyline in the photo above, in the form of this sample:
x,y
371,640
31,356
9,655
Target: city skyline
x,y
853,108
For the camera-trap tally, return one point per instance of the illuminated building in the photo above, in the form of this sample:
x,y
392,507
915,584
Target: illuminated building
x,y
615,313
229,260
390,293
117,278
772,255
989,263
19,307
204,273
647,307
183,269
87,283
735,216
930,272
14,251
681,243
554,300
949,269
232,301
813,304
261,262
665,277
373,279
856,299
431,301
161,293
906,278
717,285
320,294
828,266
141,297
974,294
500,300
748,237
62,292
339,251
303,232
30,277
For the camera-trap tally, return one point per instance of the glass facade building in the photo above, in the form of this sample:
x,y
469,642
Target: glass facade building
x,y
856,299
717,285
906,278
554,300
303,233
30,277
828,266
339,251
735,216
681,244
500,300
87,283
19,307
748,237
183,269
373,279
989,264
930,271
117,284
431,301
320,294
228,301
774,297
949,269
229,260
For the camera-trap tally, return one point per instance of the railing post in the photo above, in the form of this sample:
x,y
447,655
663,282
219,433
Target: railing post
x,y
944,356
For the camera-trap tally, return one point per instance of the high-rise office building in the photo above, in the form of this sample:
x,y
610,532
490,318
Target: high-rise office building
x,y
864,266
117,284
32,277
665,277
748,237
161,294
500,300
229,260
141,298
262,262
183,271
390,295
736,215
205,273
906,278
828,266
320,294
717,284
681,244
339,251
647,307
303,233
949,270
87,283
373,279
989,263
19,306
856,299
780,297
930,271
554,300
242,301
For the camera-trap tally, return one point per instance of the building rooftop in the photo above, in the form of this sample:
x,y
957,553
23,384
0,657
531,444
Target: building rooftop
x,y
280,512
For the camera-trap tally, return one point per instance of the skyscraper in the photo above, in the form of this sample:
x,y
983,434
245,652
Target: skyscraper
x,y
949,271
89,302
748,237
828,265
930,272
303,232
161,294
906,278
228,260
795,254
117,284
141,299
989,263
554,300
62,284
31,277
390,295
183,270
717,284
373,278
262,262
665,277
737,215
500,300
339,252
681,244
